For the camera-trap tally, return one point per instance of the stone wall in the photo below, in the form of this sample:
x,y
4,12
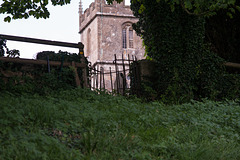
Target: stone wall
x,y
101,29
91,49
99,7
112,41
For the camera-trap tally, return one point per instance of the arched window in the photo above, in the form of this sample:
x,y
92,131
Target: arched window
x,y
127,35
130,40
124,37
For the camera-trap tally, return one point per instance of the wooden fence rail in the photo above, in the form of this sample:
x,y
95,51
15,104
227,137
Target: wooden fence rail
x,y
75,65
232,65
40,62
79,45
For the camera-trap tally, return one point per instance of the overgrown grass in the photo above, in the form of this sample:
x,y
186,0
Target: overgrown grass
x,y
80,124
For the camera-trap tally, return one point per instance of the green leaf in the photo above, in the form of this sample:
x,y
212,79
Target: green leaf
x,y
7,19
188,4
238,8
141,9
230,14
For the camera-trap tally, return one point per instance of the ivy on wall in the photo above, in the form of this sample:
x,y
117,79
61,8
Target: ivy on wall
x,y
186,67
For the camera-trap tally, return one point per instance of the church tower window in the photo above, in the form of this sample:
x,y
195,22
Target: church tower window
x,y
127,36
130,38
124,37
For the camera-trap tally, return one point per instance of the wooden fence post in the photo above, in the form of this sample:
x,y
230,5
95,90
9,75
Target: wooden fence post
x,y
77,80
84,71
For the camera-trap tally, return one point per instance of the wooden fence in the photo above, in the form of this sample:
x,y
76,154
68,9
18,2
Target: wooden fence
x,y
75,65
80,46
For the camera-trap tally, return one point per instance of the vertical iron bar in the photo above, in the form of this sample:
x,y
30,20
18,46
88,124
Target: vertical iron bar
x,y
103,78
95,81
92,78
100,78
134,76
90,75
116,68
124,76
129,62
97,78
111,78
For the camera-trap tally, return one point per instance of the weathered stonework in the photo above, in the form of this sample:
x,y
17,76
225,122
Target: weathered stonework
x,y
101,28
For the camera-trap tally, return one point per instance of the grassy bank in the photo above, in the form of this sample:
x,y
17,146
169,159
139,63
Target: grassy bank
x,y
80,124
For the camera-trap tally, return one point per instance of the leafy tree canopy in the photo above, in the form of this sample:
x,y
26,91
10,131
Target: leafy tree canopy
x,y
173,32
199,7
18,9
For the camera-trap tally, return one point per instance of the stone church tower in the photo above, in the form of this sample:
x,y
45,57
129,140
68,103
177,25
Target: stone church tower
x,y
106,30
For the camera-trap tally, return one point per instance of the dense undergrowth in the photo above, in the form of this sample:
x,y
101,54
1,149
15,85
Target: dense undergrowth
x,y
80,124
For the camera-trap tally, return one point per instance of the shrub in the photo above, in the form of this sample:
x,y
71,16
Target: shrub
x,y
36,79
186,66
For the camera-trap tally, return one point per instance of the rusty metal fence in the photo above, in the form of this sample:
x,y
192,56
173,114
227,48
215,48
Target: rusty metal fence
x,y
113,76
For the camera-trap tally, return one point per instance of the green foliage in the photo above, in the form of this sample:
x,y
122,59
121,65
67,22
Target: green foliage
x,y
13,53
35,79
142,86
56,80
4,49
223,33
19,9
80,124
20,78
64,56
228,86
196,7
38,81
60,56
186,68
